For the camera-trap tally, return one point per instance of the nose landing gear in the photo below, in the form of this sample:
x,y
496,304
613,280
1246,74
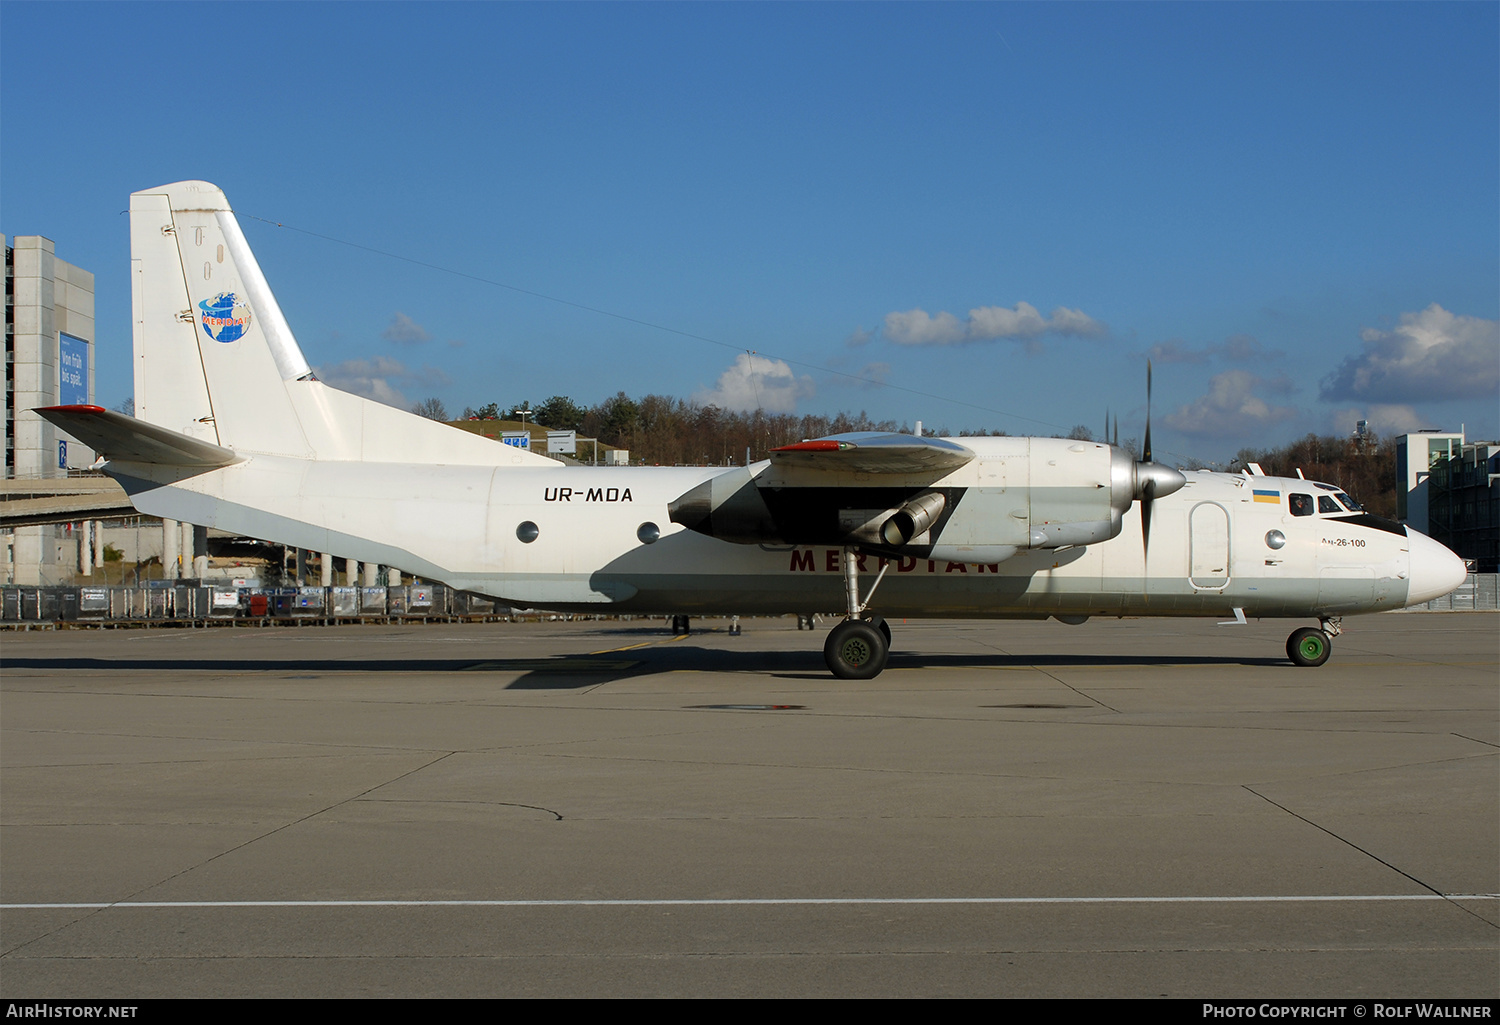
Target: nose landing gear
x,y
1311,646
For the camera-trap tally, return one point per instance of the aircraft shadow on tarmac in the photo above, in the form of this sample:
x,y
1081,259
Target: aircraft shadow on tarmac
x,y
579,671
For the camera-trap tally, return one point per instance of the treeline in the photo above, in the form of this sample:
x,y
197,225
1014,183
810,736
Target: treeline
x,y
665,431
660,430
1363,467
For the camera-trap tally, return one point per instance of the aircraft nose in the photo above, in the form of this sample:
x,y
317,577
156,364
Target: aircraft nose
x,y
1434,569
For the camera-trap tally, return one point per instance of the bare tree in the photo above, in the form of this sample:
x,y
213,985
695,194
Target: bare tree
x,y
432,409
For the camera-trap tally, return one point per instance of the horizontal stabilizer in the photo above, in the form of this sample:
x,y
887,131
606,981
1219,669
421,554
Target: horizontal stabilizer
x,y
124,438
874,452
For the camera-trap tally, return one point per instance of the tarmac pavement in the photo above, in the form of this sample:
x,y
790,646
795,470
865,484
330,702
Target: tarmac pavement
x,y
1124,808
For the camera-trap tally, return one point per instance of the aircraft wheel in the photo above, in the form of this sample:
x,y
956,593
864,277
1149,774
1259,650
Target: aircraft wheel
x,y
879,623
1308,647
855,650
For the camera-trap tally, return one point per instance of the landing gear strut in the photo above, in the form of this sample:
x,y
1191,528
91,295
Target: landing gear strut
x,y
857,648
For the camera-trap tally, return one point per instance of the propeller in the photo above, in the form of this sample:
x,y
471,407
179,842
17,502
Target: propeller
x,y
1152,480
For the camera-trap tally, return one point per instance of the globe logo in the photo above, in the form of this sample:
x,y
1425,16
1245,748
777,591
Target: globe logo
x,y
225,317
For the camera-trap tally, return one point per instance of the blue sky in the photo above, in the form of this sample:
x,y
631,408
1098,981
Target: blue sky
x,y
1003,207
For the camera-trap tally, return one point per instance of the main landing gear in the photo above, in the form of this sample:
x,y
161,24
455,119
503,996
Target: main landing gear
x,y
857,648
1311,646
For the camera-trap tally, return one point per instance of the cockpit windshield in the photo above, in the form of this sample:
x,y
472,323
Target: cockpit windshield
x,y
1349,503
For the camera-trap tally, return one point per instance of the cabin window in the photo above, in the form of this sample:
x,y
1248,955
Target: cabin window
x,y
527,532
1302,505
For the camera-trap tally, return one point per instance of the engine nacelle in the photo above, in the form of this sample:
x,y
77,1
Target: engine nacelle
x,y
727,506
1019,493
913,519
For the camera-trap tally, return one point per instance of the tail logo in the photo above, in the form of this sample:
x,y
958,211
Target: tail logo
x,y
226,317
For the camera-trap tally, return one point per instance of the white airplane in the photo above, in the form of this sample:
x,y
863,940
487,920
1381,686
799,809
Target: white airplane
x,y
232,430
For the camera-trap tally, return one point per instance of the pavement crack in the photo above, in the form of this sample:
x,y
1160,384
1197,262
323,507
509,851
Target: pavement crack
x,y
1374,857
1477,740
487,804
239,846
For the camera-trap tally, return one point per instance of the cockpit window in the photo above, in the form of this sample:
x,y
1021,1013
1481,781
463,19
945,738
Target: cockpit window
x,y
1352,505
1302,505
1328,505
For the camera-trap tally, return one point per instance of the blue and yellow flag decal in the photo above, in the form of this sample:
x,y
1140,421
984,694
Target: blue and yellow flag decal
x,y
1274,497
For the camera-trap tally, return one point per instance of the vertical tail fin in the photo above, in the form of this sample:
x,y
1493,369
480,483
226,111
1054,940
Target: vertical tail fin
x,y
216,360
213,351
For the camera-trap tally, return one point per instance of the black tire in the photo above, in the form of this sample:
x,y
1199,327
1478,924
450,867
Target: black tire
x,y
855,650
879,623
1308,647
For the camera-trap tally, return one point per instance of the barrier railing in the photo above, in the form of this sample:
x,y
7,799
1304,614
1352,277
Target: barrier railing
x,y
193,601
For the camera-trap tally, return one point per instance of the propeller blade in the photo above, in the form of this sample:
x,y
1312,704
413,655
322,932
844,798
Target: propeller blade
x,y
1148,496
1146,456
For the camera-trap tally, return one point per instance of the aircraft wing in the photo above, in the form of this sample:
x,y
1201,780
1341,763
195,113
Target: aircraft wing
x,y
117,436
874,452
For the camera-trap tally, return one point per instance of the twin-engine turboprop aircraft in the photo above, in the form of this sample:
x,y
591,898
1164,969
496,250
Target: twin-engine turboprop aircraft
x,y
232,430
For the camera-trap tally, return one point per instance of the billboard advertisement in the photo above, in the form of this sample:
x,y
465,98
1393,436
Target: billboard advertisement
x,y
72,370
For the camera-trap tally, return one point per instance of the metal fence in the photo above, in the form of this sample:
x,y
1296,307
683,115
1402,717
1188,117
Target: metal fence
x,y
185,602
1475,594
191,601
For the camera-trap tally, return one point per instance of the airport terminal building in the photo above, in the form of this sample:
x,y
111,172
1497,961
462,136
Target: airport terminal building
x,y
49,360
1449,488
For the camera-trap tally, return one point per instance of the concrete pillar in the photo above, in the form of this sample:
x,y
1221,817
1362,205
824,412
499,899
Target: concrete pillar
x,y
26,554
200,551
97,529
187,549
372,575
351,572
393,577
171,538
325,578
85,550
301,567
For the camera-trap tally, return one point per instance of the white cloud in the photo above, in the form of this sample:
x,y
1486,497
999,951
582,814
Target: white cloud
x,y
1386,421
1001,322
405,331
1230,408
988,323
873,374
380,378
1076,323
1431,355
917,327
1176,351
755,382
859,336
1236,349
